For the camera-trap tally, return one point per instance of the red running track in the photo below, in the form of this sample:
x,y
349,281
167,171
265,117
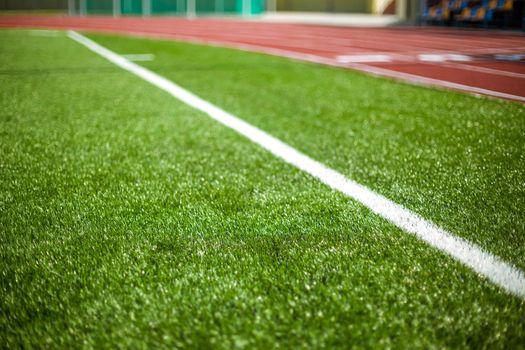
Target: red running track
x,y
474,61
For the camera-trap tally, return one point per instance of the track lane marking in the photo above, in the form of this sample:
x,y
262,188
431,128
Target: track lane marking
x,y
364,58
493,268
481,69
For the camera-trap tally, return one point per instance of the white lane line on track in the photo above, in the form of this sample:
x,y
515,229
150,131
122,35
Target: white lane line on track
x,y
493,268
364,58
440,59
452,60
435,57
512,57
481,69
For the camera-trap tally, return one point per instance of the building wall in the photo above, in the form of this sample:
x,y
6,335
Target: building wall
x,y
408,9
403,8
33,4
347,6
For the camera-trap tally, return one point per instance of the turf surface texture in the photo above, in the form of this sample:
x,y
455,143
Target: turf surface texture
x,y
130,220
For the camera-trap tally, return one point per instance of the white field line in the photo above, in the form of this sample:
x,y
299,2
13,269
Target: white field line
x,y
499,272
45,33
139,57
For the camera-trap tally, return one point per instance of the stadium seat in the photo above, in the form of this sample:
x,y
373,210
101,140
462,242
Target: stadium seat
x,y
438,12
484,12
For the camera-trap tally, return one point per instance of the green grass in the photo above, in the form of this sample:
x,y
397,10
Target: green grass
x,y
130,220
454,159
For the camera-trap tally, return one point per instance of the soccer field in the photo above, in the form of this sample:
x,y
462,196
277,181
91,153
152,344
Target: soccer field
x,y
132,220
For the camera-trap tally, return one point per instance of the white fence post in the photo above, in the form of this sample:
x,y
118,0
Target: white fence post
x,y
116,8
191,11
246,8
83,8
146,7
271,6
219,6
180,5
71,7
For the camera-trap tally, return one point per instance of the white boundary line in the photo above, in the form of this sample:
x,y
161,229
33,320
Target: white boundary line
x,y
499,272
141,57
45,33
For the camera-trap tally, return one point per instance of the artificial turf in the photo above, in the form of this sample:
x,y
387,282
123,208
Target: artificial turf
x,y
455,159
130,220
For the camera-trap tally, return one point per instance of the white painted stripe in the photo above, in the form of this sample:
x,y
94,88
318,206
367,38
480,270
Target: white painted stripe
x,y
513,58
432,57
139,57
363,58
499,272
458,58
486,70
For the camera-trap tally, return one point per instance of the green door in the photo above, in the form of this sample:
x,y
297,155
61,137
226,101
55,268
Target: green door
x,y
99,7
255,7
131,7
168,7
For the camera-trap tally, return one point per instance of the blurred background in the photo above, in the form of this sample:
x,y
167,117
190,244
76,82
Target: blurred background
x,y
484,13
